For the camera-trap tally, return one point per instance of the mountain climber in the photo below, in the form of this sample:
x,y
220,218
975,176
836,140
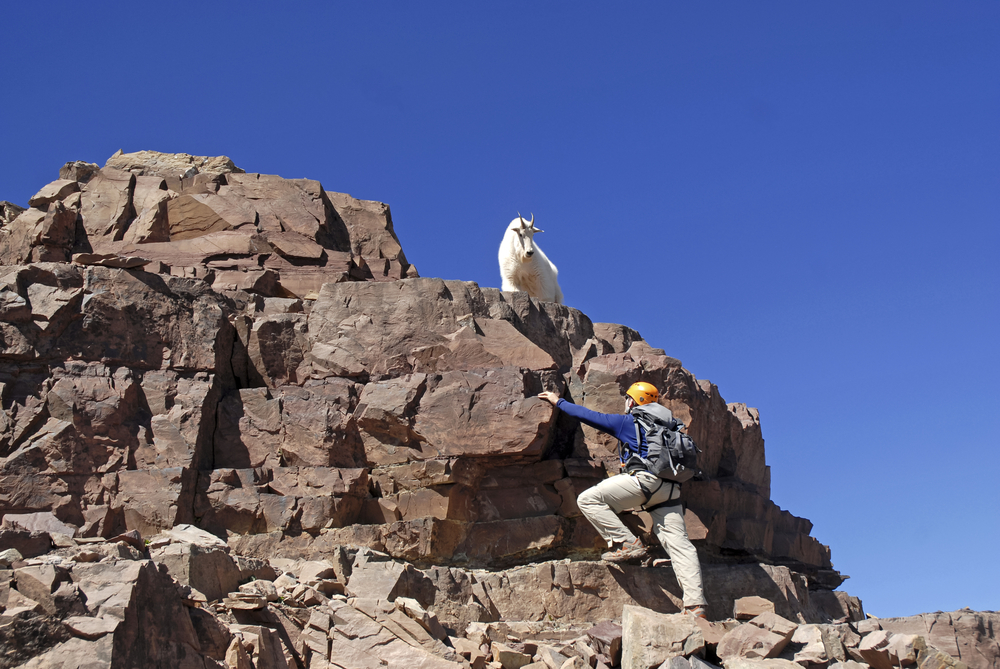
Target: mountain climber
x,y
637,487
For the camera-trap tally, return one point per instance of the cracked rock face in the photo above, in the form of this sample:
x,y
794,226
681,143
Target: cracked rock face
x,y
239,430
185,343
204,218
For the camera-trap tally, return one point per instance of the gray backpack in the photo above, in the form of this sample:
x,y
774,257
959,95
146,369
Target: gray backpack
x,y
671,454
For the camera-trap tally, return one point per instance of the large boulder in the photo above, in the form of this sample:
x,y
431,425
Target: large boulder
x,y
650,639
196,558
134,617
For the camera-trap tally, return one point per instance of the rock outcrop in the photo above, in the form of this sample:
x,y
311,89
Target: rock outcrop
x,y
246,370
260,382
204,218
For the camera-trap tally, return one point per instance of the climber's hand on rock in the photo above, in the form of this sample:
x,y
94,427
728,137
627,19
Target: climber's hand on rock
x,y
549,397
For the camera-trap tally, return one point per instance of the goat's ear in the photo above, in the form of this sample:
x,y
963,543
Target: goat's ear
x,y
537,231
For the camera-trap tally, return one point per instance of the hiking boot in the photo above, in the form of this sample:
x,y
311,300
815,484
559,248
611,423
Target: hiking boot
x,y
696,611
633,551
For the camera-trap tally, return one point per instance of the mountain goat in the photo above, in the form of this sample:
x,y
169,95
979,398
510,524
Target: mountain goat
x,y
523,266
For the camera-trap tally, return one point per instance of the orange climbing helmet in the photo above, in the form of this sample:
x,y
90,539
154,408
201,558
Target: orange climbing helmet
x,y
643,393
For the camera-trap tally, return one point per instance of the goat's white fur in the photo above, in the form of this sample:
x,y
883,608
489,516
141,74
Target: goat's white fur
x,y
523,266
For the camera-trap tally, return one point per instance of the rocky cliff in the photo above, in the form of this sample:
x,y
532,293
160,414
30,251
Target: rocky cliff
x,y
186,344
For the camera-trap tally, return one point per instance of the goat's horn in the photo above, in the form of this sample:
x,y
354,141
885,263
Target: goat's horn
x,y
520,217
532,221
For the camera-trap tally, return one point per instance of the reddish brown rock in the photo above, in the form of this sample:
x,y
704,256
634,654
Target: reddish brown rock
x,y
27,544
209,570
151,500
370,226
294,426
168,165
810,647
472,413
249,423
150,202
110,260
304,278
772,622
296,499
272,376
746,608
874,648
78,170
294,205
968,636
650,638
155,628
192,216
8,212
151,198
57,229
36,522
39,583
751,642
27,634
90,628
53,192
106,205
294,245
277,348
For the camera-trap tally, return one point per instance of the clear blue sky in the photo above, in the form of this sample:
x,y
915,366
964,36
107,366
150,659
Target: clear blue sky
x,y
809,190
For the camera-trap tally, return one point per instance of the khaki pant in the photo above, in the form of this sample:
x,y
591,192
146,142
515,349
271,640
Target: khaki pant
x,y
602,503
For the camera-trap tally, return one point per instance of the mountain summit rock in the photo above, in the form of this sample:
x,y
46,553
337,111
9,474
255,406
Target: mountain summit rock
x,y
183,343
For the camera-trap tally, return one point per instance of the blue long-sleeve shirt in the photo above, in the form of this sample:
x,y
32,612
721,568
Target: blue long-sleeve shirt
x,y
619,426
